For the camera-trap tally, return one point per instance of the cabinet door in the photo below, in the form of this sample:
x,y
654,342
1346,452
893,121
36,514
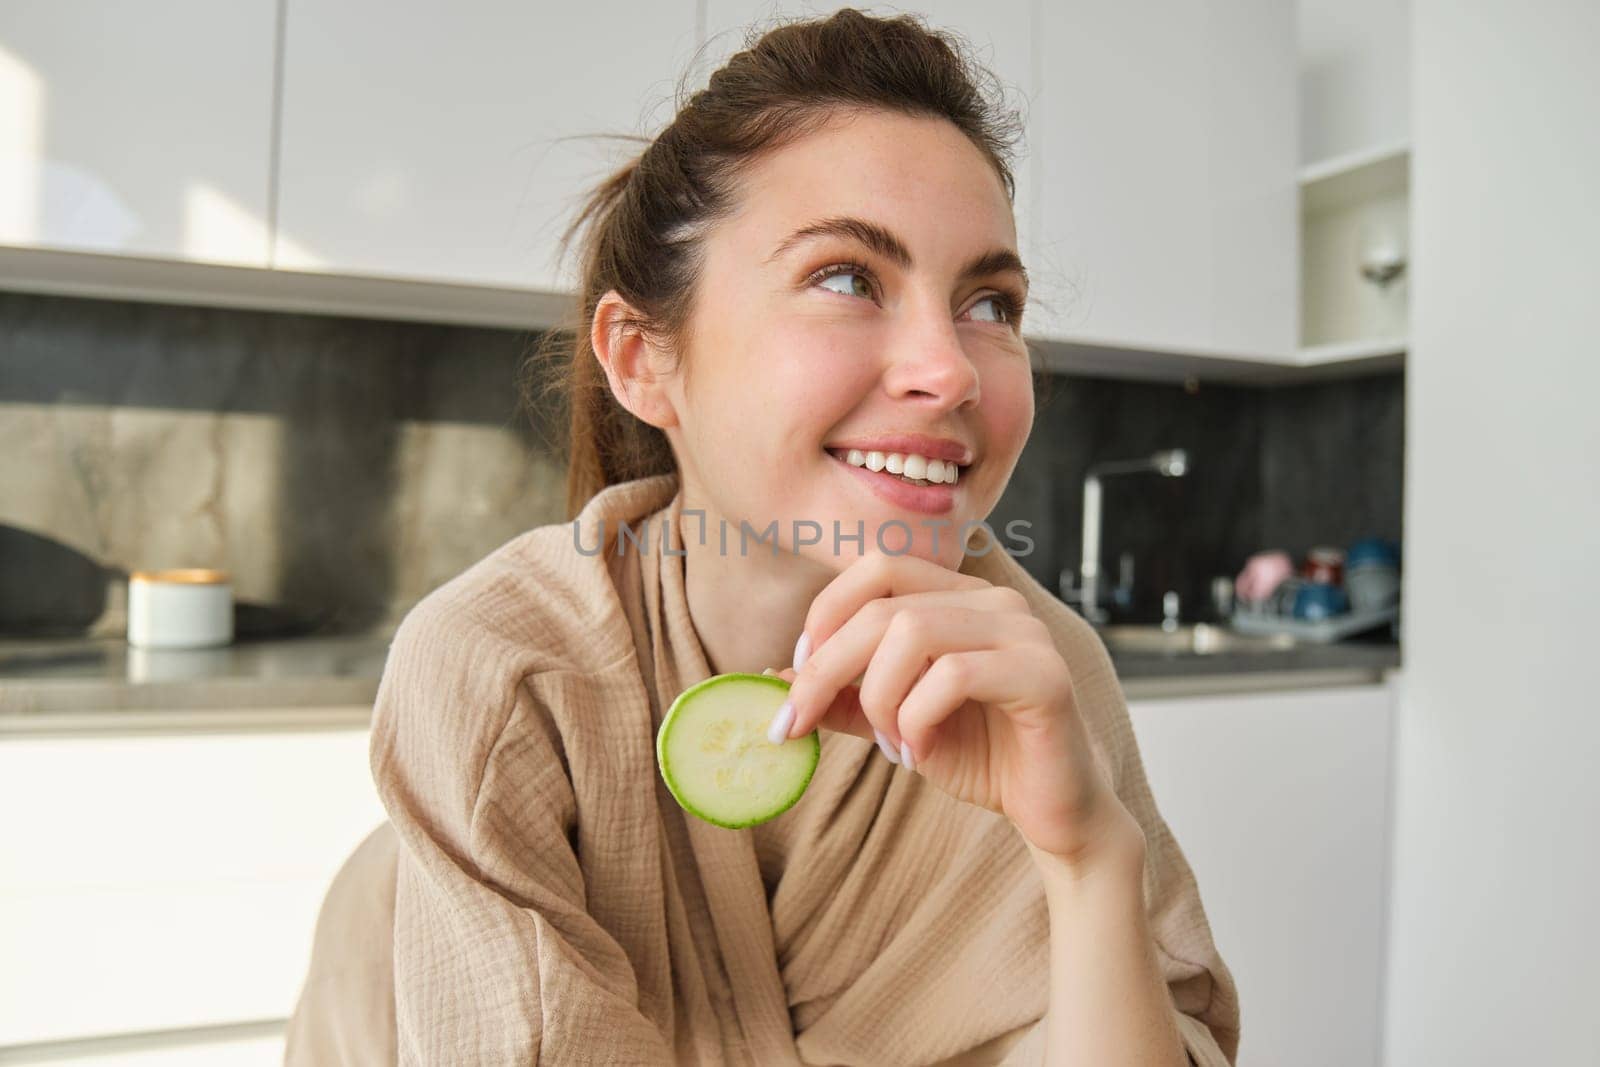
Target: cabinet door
x,y
140,129
1167,202
425,140
1280,802
999,35
163,882
177,1048
1355,82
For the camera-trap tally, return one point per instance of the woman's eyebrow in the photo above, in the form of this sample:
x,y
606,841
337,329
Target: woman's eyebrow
x,y
884,242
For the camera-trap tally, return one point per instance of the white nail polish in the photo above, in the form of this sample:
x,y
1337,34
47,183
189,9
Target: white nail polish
x,y
802,649
888,749
905,756
778,732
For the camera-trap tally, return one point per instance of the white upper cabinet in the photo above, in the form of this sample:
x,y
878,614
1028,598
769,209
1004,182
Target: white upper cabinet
x,y
1355,77
425,140
138,129
1168,203
1156,194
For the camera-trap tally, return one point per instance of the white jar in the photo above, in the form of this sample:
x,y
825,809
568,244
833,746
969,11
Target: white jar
x,y
186,608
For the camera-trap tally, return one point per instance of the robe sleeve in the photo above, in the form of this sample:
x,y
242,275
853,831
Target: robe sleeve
x,y
496,959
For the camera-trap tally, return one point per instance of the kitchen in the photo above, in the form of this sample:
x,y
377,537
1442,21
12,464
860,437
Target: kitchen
x,y
275,330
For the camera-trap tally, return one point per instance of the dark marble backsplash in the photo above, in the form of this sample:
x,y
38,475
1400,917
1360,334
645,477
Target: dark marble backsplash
x,y
340,468
1332,462
1281,466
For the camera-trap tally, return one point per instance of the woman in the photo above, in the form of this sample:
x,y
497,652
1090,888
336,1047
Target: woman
x,y
813,265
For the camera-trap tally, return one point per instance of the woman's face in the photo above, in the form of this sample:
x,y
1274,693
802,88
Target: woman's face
x,y
874,328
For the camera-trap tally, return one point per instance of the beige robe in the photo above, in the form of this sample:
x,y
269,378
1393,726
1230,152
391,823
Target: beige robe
x,y
538,894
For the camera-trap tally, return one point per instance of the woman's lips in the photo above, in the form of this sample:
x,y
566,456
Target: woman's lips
x,y
926,499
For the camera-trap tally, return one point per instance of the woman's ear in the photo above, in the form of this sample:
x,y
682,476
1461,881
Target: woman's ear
x,y
635,368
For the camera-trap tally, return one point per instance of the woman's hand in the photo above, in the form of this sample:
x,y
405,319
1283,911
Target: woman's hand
x,y
962,675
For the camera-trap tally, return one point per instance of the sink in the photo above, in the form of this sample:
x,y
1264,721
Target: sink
x,y
1197,639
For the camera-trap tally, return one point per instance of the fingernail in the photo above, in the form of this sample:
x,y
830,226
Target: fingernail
x,y
905,756
802,649
888,749
778,732
769,670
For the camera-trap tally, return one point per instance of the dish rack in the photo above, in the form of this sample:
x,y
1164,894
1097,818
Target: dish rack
x,y
1322,631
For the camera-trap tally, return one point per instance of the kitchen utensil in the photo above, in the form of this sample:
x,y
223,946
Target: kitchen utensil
x,y
1320,600
1263,573
1325,565
1372,550
1372,585
1283,599
1222,596
182,608
49,588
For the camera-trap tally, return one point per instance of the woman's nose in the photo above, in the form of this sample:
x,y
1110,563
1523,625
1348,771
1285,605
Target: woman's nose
x,y
928,359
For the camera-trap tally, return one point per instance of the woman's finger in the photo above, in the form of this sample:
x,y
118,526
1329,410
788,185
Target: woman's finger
x,y
869,578
1005,678
843,715
844,656
914,639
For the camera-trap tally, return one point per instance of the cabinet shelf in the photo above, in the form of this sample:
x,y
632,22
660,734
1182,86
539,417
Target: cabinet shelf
x,y
1374,349
1352,206
1356,176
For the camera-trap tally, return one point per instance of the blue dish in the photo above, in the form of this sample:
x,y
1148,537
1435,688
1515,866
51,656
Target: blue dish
x,y
1372,550
1319,600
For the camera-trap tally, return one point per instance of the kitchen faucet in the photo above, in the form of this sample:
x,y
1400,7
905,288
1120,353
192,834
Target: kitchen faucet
x,y
1171,463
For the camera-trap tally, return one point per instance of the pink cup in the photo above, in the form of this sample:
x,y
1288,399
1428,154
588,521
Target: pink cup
x,y
1261,576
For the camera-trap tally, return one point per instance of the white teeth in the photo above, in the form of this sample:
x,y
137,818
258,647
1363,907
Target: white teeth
x,y
908,465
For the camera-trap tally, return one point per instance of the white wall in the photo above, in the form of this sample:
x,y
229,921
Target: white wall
x,y
1355,70
1495,930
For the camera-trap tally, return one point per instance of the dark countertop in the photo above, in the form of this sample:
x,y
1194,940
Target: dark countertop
x,y
88,684
1148,675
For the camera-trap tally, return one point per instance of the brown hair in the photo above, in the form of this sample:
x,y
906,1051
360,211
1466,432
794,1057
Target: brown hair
x,y
643,226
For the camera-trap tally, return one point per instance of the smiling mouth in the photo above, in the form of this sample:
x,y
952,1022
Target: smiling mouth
x,y
898,465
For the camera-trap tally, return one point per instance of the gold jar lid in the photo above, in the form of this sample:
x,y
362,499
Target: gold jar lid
x,y
182,576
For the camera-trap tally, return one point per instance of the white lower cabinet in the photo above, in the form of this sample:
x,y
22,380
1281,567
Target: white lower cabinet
x,y
1281,803
165,882
192,1049
171,882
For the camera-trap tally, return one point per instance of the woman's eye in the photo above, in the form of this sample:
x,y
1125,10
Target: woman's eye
x,y
854,283
1006,308
998,304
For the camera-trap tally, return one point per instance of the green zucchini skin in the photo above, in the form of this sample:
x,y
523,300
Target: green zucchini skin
x,y
677,717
